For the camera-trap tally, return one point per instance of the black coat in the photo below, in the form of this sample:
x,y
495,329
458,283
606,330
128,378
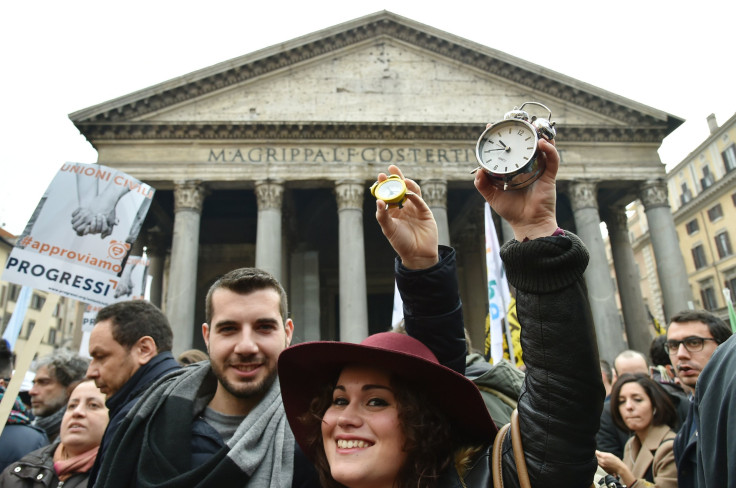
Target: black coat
x,y
125,398
36,470
562,397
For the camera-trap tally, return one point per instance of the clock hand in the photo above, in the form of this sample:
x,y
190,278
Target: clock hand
x,y
496,149
505,147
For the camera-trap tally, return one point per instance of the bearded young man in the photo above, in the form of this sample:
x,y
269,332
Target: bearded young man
x,y
219,421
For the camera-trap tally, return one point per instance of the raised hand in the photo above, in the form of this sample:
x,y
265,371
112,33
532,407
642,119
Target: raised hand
x,y
531,210
411,230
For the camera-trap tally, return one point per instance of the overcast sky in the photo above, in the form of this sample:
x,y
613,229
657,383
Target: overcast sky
x,y
60,57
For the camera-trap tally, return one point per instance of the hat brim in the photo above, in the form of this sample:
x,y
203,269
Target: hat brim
x,y
304,369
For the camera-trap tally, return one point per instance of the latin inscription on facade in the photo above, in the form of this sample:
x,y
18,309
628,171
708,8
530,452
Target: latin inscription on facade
x,y
368,154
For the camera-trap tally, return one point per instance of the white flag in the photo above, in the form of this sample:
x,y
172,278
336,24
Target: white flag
x,y
498,288
19,314
397,317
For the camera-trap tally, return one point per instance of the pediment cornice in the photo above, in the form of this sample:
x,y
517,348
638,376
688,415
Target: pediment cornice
x,y
249,67
122,131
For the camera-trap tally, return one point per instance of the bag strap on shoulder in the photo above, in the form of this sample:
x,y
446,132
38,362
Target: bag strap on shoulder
x,y
516,443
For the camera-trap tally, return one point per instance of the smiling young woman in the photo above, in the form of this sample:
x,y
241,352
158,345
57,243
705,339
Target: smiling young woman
x,y
641,406
376,419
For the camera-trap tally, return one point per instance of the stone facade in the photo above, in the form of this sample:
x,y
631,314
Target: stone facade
x,y
315,119
701,193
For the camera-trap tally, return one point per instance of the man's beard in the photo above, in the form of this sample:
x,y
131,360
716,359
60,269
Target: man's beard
x,y
50,407
246,389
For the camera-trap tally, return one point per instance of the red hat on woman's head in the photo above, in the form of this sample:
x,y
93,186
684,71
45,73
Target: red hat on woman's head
x,y
304,369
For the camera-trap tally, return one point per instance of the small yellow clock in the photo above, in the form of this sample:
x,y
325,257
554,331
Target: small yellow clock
x,y
391,190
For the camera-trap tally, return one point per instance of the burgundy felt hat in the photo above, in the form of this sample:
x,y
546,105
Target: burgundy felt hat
x,y
304,369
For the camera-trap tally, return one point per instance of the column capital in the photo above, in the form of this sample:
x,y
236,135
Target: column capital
x,y
269,194
188,195
154,242
434,192
583,194
349,194
615,218
653,193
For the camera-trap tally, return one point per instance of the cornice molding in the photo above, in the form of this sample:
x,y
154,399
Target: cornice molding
x,y
705,198
320,131
486,60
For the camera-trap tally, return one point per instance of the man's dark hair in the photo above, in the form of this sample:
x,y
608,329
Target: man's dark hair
x,y
6,359
134,319
65,367
657,354
663,411
717,327
244,281
607,370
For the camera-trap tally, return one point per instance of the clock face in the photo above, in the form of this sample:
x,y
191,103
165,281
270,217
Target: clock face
x,y
506,147
390,189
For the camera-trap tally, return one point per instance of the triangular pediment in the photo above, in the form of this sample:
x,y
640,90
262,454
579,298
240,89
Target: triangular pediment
x,y
380,80
378,70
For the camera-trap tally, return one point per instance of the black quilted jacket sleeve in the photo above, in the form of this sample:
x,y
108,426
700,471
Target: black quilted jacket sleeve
x,y
562,397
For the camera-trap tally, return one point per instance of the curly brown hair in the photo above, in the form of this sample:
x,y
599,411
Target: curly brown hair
x,y
429,439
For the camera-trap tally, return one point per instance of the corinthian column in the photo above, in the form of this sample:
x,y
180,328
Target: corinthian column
x,y
353,289
182,289
434,192
670,264
583,197
636,320
268,233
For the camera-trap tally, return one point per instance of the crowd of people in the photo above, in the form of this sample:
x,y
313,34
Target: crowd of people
x,y
412,409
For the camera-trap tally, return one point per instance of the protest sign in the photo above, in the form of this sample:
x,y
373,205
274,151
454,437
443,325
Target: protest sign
x,y
132,286
79,236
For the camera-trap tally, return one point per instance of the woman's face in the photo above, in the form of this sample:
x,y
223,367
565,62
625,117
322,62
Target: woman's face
x,y
635,407
85,419
362,435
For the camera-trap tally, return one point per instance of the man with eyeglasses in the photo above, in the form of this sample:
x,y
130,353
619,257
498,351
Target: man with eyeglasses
x,y
692,338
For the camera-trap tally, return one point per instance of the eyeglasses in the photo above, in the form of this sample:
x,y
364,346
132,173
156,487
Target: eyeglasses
x,y
692,344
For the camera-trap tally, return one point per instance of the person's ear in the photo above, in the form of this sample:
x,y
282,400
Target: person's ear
x,y
289,329
145,349
206,335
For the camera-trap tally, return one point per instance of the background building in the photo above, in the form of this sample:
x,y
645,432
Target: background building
x,y
702,195
266,160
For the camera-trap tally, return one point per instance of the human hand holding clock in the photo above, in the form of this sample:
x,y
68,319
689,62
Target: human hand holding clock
x,y
411,230
531,210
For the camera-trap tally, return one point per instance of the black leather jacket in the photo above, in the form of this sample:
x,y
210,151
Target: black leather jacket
x,y
562,397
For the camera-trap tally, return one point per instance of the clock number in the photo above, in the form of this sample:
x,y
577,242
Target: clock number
x,y
521,132
495,167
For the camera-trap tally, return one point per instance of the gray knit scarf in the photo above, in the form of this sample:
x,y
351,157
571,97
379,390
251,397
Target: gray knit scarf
x,y
158,430
51,424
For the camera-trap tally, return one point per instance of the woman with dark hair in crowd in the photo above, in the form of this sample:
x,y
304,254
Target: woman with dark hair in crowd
x,y
66,462
640,405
